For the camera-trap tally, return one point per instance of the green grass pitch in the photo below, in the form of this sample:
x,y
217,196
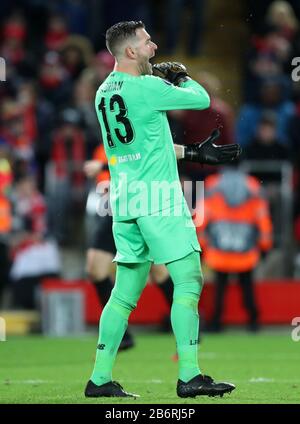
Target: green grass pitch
x,y
264,367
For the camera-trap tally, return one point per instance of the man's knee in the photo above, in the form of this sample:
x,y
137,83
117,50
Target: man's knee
x,y
130,282
187,274
124,302
99,275
96,272
193,288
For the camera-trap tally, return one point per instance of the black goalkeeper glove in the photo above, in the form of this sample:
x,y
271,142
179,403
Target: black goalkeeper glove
x,y
211,154
173,72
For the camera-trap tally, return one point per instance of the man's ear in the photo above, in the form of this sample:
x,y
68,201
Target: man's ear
x,y
130,52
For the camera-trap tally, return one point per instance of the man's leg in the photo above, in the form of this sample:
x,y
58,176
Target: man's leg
x,y
100,268
100,256
130,282
187,277
220,287
246,282
99,265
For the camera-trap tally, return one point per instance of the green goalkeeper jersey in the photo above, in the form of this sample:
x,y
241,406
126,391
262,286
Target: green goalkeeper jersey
x,y
138,141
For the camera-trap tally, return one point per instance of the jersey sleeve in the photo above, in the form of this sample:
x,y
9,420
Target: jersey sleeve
x,y
161,95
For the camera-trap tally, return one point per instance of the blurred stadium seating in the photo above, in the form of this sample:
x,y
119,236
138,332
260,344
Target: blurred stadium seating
x,y
55,60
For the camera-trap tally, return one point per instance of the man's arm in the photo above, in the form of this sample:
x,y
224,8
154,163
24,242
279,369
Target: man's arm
x,y
207,152
161,95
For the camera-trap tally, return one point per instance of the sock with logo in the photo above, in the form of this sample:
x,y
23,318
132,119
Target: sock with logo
x,y
187,277
130,282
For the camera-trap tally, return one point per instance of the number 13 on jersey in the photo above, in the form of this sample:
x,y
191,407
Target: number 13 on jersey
x,y
118,108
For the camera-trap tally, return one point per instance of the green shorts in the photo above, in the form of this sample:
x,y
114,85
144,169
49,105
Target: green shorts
x,y
160,239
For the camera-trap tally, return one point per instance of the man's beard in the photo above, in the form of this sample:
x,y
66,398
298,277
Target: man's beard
x,y
145,68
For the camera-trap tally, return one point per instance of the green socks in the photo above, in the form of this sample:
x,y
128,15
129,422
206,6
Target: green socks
x,y
112,327
185,323
187,277
130,282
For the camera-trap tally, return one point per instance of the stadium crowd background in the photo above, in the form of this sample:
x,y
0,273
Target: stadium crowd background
x,y
55,59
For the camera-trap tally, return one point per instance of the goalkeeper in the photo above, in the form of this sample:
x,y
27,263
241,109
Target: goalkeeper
x,y
131,105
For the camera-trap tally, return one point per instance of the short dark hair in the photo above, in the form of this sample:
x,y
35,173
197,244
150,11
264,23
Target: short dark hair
x,y
120,32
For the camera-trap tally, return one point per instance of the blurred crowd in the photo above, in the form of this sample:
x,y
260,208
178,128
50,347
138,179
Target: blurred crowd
x,y
55,60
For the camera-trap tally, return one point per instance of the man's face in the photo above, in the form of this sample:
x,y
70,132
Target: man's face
x,y
145,50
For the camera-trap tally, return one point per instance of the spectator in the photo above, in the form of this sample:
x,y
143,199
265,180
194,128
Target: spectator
x,y
17,134
6,175
272,98
75,55
273,46
39,114
103,64
54,80
34,257
265,145
84,94
57,32
5,218
258,10
5,228
13,46
281,14
65,177
269,57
